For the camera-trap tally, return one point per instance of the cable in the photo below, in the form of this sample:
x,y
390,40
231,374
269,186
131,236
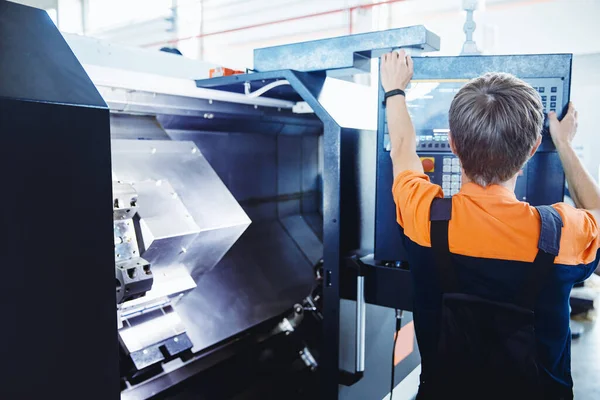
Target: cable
x,y
399,315
264,89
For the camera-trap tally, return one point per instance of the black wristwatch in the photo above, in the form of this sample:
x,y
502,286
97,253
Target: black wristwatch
x,y
395,92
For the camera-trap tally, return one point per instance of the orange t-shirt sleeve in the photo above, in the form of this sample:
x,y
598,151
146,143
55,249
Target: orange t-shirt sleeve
x,y
580,237
413,194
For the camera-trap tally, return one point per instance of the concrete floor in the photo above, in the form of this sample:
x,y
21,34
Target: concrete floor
x,y
585,362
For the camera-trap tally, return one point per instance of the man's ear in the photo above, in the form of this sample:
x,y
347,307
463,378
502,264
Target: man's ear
x,y
451,143
536,145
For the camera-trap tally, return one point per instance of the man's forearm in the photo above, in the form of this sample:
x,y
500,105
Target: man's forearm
x,y
403,142
584,190
402,132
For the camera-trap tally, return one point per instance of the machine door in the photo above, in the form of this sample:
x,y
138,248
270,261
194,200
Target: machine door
x,y
436,80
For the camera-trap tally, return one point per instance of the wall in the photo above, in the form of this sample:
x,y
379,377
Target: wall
x,y
517,27
585,92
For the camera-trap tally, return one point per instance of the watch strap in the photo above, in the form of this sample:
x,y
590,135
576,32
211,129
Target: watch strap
x,y
395,92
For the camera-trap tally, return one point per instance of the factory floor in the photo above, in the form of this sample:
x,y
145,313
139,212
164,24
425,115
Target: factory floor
x,y
585,367
585,362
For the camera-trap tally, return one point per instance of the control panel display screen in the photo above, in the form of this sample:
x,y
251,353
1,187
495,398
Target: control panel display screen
x,y
429,100
428,103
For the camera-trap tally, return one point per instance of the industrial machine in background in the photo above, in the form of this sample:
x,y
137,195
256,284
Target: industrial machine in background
x,y
254,250
217,226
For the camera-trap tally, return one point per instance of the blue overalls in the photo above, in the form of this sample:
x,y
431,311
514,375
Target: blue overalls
x,y
492,329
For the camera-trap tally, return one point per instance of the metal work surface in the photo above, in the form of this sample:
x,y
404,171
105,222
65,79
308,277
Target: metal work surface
x,y
187,214
263,275
343,55
275,180
542,180
309,86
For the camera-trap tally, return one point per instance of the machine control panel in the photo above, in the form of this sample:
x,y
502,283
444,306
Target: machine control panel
x,y
443,167
429,96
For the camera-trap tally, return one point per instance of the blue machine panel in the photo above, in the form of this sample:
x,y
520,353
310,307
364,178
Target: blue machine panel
x,y
436,81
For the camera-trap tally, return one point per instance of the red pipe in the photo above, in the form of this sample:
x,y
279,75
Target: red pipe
x,y
242,28
350,22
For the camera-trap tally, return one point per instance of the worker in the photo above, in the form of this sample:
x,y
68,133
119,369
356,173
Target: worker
x,y
492,275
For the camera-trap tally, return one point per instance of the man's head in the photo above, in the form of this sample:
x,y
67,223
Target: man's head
x,y
495,126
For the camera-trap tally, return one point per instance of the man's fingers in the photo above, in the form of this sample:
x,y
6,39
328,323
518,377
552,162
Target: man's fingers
x,y
409,62
552,116
571,108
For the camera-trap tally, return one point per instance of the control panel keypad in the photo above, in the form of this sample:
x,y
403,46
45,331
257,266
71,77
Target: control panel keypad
x,y
550,91
451,175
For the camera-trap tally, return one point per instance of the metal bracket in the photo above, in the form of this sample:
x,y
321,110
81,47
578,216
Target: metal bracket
x,y
345,55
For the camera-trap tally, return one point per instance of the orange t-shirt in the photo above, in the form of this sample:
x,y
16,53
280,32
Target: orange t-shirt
x,y
491,223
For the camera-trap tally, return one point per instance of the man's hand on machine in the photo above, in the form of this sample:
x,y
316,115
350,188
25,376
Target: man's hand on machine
x,y
396,73
564,131
583,188
396,70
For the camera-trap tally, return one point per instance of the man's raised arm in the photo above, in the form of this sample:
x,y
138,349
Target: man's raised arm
x,y
396,73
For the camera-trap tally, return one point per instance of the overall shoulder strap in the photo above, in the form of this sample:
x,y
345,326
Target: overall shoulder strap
x,y
440,215
548,248
551,230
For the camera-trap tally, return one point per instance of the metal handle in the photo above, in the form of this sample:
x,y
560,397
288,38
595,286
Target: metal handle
x,y
361,314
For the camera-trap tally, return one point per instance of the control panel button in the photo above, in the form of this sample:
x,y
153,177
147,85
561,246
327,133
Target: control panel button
x,y
447,161
541,89
428,164
552,98
455,161
544,104
446,185
455,168
445,178
455,178
553,105
553,89
447,168
544,98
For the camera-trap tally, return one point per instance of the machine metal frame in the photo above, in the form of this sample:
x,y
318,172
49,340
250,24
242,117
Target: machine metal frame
x,y
352,55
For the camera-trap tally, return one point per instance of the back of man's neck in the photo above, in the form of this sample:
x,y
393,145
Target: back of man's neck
x,y
509,184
